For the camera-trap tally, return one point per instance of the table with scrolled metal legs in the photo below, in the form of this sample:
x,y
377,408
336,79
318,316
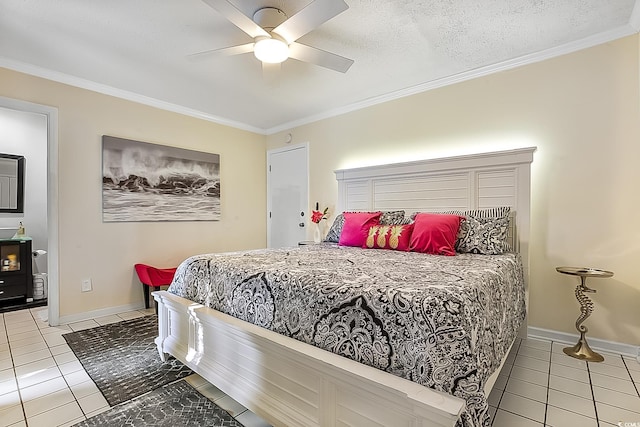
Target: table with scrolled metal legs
x,y
582,350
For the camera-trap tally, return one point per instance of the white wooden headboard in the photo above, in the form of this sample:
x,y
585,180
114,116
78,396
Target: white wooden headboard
x,y
475,181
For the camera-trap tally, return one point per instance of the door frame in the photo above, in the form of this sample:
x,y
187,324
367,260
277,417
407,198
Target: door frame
x,y
300,146
53,269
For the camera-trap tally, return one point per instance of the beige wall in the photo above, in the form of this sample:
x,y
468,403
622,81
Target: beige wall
x,y
582,112
106,252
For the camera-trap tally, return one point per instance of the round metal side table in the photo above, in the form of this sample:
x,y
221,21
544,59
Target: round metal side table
x,y
582,350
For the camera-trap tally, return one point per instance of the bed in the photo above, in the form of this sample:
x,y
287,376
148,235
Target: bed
x,y
401,369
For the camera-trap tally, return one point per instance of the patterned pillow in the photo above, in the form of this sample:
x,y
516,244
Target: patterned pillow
x,y
394,237
486,236
336,228
392,218
482,231
387,218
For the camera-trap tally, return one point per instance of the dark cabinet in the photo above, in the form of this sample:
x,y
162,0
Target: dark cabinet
x,y
16,278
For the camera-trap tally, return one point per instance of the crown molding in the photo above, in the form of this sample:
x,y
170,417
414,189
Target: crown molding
x,y
532,58
70,80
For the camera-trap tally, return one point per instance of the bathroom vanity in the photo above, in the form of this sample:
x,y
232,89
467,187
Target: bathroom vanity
x,y
16,278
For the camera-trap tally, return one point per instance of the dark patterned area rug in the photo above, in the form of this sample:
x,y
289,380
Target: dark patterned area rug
x,y
176,404
122,359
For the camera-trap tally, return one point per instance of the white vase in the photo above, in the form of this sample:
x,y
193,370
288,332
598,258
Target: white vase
x,y
316,233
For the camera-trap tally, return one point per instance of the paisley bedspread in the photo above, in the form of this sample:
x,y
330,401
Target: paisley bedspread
x,y
442,321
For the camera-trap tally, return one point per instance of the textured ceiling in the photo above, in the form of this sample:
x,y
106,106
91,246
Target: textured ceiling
x,y
138,50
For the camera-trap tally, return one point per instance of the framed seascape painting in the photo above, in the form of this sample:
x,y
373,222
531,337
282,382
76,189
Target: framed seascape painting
x,y
151,182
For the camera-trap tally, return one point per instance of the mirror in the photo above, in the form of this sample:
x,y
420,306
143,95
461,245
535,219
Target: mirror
x,y
11,183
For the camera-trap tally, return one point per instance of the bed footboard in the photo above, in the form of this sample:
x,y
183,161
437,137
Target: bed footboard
x,y
288,382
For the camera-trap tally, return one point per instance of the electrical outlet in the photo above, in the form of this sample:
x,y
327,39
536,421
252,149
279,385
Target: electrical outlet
x,y
86,285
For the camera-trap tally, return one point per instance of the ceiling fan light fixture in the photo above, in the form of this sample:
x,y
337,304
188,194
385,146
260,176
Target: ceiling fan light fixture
x,y
271,50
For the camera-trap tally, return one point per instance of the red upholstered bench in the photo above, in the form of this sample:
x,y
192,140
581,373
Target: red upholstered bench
x,y
155,277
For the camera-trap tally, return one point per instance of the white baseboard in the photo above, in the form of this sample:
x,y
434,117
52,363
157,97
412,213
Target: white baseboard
x,y
595,343
88,315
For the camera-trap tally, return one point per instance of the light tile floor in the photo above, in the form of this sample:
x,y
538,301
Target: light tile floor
x,y
43,384
541,386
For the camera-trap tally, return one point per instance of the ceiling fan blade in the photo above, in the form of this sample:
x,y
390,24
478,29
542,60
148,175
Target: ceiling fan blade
x,y
305,53
271,73
239,19
225,51
309,18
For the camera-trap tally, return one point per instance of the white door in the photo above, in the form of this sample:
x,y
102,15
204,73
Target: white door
x,y
287,195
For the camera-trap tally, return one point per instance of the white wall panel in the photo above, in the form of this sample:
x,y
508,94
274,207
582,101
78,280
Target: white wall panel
x,y
497,188
418,193
358,195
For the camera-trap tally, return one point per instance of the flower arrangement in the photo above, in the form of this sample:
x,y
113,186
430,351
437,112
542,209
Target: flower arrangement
x,y
317,215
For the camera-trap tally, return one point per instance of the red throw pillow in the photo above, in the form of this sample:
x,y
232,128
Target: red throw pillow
x,y
356,227
435,233
395,237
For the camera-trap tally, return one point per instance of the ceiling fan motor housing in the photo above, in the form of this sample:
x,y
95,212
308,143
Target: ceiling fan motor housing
x,y
269,18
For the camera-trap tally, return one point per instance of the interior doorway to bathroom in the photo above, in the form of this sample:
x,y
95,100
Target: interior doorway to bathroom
x,y
30,130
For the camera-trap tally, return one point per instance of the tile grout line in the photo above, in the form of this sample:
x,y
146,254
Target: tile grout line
x,y
546,403
505,385
518,414
593,395
517,350
610,376
624,362
82,410
77,401
14,365
548,390
575,395
57,366
15,373
61,375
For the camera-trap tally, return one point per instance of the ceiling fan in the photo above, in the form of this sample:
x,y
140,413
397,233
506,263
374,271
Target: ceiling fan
x,y
275,34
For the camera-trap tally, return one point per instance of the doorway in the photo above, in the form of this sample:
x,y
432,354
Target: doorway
x,y
47,117
287,195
